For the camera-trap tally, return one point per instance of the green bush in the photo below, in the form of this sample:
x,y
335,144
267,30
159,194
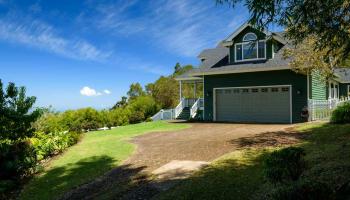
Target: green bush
x,y
284,165
341,114
301,190
17,159
53,143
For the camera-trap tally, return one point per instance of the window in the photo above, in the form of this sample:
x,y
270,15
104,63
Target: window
x,y
255,90
250,37
285,89
227,91
249,51
264,90
236,91
274,89
245,91
251,48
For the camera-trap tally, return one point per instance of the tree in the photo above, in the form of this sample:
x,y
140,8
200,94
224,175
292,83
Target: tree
x,y
165,91
177,68
303,59
17,155
327,20
16,117
122,103
135,90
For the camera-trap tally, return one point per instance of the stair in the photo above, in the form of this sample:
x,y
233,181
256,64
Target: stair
x,y
185,114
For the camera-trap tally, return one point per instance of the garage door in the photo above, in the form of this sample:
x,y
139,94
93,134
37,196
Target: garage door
x,y
253,104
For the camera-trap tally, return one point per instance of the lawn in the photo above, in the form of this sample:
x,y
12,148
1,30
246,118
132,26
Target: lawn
x,y
239,175
95,154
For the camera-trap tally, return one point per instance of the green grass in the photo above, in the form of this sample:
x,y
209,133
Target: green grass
x,y
239,175
95,154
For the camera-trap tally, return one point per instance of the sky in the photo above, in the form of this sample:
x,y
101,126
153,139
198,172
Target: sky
x,y
74,54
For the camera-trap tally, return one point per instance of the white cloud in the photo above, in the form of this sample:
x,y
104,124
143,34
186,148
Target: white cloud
x,y
38,34
184,27
107,91
87,91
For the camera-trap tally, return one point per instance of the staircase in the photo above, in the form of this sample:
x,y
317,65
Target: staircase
x,y
185,114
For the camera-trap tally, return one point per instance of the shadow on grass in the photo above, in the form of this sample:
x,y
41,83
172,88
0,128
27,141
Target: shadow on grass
x,y
240,176
55,181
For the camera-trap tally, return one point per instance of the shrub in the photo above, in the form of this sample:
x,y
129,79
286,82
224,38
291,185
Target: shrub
x,y
284,165
136,117
17,159
301,190
341,114
53,143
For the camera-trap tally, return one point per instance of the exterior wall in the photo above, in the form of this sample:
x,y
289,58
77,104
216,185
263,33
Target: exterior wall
x,y
239,38
343,89
318,87
281,77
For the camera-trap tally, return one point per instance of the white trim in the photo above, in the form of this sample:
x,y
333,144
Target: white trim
x,y
265,86
257,51
188,78
242,70
240,29
251,33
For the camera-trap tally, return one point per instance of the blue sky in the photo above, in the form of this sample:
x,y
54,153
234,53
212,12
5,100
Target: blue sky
x,y
73,54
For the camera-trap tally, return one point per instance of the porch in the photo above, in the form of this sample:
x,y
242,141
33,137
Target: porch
x,y
191,102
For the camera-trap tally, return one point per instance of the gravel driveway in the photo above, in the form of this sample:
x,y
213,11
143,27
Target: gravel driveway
x,y
202,142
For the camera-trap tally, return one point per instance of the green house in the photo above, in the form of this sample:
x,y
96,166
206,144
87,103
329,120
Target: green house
x,y
246,79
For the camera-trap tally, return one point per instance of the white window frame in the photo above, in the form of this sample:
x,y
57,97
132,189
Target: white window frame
x,y
333,93
257,51
256,37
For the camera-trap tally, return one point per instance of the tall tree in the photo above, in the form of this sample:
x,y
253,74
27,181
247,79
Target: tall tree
x,y
177,68
16,117
135,91
122,103
327,20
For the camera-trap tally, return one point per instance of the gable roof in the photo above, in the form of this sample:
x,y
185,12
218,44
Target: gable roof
x,y
215,60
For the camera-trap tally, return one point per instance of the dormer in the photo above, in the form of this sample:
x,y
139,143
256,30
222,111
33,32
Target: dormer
x,y
248,44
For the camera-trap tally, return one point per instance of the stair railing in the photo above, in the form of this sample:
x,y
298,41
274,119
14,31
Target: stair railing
x,y
194,108
179,108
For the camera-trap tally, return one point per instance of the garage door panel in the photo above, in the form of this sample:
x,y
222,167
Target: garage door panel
x,y
267,104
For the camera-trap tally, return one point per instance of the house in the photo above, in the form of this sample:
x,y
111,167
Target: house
x,y
246,79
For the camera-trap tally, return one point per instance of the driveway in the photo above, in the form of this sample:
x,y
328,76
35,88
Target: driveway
x,y
168,151
201,142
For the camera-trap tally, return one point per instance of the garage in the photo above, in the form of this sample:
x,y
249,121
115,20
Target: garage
x,y
261,104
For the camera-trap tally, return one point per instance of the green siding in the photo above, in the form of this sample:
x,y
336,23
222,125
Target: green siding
x,y
281,77
318,87
343,89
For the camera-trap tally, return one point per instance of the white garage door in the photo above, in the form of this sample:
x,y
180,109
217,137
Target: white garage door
x,y
253,104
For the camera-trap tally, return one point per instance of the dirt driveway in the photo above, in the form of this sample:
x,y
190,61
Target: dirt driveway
x,y
201,142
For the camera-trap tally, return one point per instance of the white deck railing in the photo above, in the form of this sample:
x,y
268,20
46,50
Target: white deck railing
x,y
322,109
194,108
164,115
178,109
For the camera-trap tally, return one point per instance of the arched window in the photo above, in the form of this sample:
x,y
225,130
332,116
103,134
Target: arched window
x,y
250,37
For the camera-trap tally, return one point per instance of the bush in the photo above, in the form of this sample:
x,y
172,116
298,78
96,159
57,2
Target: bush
x,y
53,143
17,159
341,114
284,165
301,190
136,117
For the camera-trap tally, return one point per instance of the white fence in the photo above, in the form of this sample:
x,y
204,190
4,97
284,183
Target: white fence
x,y
322,109
168,114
